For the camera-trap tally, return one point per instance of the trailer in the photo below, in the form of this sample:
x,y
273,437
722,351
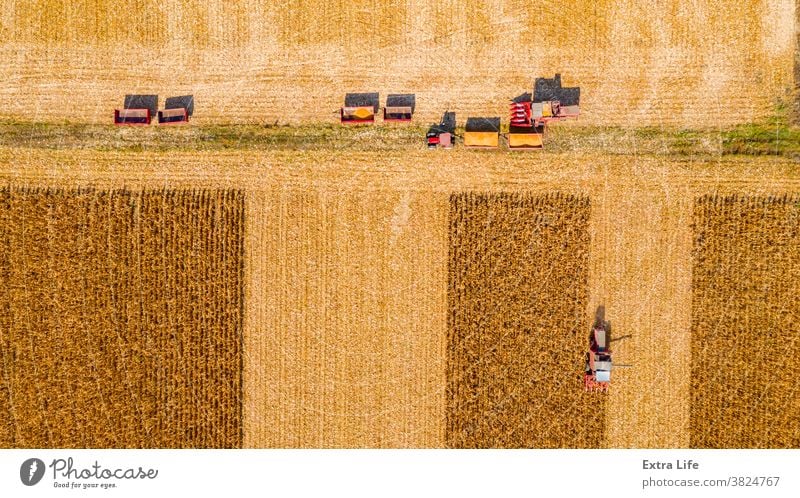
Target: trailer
x,y
132,117
399,107
482,132
173,116
136,110
177,110
359,108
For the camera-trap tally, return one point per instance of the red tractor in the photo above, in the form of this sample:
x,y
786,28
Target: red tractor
x,y
597,372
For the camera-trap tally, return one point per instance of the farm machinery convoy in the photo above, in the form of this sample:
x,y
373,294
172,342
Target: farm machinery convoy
x,y
529,115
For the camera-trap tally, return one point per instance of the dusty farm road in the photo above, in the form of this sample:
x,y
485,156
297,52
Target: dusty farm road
x,y
376,222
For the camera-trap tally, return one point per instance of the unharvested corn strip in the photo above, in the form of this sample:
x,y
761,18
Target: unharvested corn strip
x,y
121,322
745,328
517,331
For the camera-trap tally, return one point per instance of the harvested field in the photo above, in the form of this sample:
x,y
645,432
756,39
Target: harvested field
x,y
701,63
345,330
745,329
121,320
517,334
641,243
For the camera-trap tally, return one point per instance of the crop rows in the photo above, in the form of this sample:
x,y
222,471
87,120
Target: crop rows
x,y
745,328
120,321
517,327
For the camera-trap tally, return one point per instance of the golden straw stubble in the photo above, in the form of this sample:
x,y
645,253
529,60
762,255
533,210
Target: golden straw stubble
x,y
121,318
637,62
345,331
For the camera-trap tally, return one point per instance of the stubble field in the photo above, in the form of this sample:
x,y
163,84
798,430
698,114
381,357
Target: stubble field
x,y
667,63
344,340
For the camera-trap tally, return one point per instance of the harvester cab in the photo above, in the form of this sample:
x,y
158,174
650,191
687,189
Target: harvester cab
x,y
597,374
442,134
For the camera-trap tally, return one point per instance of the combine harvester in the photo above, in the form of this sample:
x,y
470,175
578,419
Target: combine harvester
x,y
530,113
597,371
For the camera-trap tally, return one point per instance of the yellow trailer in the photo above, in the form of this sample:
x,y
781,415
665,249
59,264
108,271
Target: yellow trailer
x,y
482,132
481,139
359,108
525,141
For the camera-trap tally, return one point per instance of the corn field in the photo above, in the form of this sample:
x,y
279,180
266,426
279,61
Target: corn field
x,y
122,318
517,296
395,299
745,331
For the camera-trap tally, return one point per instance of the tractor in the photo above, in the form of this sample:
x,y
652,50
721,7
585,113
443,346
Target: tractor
x,y
442,134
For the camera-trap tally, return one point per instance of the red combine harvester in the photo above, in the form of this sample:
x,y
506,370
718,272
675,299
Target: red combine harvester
x,y
597,372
